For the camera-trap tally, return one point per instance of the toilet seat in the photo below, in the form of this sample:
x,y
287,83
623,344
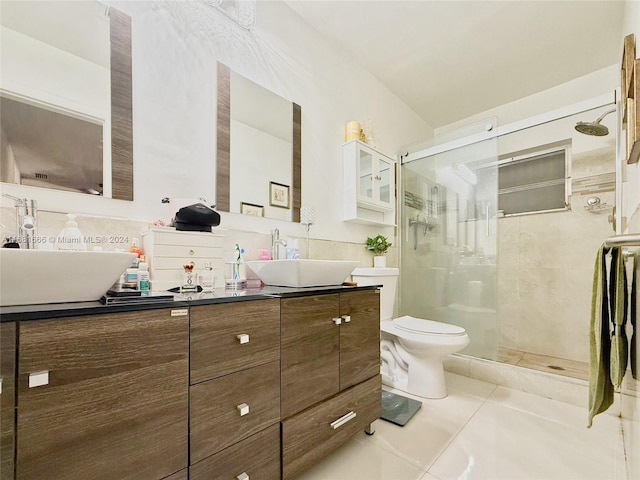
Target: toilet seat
x,y
420,326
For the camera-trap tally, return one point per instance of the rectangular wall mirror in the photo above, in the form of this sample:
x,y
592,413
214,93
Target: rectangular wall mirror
x,y
65,97
258,150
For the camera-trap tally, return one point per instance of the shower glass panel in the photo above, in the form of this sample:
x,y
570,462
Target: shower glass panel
x,y
448,245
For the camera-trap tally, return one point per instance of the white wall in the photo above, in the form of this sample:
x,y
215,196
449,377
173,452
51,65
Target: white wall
x,y
176,47
600,82
36,70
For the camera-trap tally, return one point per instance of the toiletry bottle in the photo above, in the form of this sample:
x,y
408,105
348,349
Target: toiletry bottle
x,y
265,255
131,277
135,248
293,252
144,280
70,237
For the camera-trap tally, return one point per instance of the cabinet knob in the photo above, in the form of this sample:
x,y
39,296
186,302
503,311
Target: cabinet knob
x,y
192,252
342,420
243,338
38,379
378,177
346,318
243,408
337,320
243,476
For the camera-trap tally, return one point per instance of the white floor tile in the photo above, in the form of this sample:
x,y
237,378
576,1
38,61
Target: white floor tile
x,y
483,432
358,460
428,476
501,442
437,422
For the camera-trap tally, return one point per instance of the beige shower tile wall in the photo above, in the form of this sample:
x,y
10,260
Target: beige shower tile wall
x,y
545,279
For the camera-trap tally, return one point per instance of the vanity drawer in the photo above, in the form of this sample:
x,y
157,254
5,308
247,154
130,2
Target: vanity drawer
x,y
193,239
185,252
312,434
257,456
216,337
230,408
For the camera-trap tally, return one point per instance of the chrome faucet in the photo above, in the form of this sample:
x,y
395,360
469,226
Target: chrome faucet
x,y
275,244
25,220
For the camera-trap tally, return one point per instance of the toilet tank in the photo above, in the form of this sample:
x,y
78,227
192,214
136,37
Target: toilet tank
x,y
388,278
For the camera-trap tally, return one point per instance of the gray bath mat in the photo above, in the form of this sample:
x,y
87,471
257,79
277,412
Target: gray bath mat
x,y
398,409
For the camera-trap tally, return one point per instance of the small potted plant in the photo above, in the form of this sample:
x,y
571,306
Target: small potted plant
x,y
379,246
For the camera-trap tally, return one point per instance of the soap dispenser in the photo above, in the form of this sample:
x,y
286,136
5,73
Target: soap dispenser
x,y
70,237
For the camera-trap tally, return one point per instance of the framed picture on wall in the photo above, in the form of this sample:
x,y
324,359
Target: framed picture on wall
x,y
251,209
278,195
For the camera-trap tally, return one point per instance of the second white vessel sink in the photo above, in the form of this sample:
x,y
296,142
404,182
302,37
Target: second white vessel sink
x,y
302,272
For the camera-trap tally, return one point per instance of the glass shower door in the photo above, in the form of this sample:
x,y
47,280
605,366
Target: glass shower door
x,y
448,247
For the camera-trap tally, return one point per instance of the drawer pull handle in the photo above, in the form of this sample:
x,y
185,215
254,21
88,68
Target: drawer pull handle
x,y
337,321
342,420
243,338
38,379
243,476
346,318
243,408
0,386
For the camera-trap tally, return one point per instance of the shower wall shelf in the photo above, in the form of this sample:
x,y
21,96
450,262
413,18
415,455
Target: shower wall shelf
x,y
630,82
369,178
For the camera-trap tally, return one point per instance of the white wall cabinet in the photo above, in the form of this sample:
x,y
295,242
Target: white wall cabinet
x,y
369,185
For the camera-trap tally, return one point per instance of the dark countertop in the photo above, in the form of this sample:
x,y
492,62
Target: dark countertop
x,y
219,295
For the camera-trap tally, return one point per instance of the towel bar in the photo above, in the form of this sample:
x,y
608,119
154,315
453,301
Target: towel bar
x,y
629,240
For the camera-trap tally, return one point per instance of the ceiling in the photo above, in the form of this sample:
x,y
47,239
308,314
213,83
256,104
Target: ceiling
x,y
449,60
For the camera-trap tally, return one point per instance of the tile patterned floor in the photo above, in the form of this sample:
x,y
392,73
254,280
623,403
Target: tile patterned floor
x,y
483,432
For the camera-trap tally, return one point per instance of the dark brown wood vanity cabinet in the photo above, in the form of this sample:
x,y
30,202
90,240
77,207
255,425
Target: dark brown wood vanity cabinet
x,y
7,398
103,396
330,374
235,390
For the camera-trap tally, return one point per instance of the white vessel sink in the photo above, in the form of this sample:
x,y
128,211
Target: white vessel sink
x,y
302,272
30,277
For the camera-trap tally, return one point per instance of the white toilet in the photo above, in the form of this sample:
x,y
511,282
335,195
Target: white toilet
x,y
412,349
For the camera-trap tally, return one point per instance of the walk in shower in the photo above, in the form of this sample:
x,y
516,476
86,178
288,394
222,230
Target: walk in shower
x,y
499,231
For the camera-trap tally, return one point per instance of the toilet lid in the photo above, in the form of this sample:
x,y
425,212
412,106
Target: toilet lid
x,y
419,325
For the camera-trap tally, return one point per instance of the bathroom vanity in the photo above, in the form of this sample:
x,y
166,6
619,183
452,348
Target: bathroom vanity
x,y
218,386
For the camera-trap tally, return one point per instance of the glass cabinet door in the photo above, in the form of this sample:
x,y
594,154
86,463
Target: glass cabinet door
x,y
365,175
383,179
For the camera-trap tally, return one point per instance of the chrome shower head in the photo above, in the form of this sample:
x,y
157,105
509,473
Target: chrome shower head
x,y
594,128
